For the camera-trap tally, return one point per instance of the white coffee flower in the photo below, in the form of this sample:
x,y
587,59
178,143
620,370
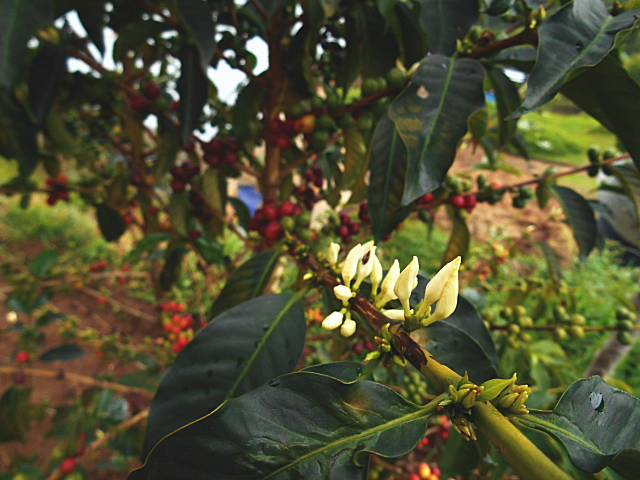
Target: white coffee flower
x,y
348,328
407,281
333,321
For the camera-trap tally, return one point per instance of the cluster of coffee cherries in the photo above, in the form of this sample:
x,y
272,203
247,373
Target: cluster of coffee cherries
x,y
220,151
272,220
625,319
182,174
57,189
346,228
280,133
151,97
176,324
307,193
99,266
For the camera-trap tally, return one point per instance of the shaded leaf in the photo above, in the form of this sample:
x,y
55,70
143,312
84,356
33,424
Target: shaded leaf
x,y
167,147
19,21
62,352
43,263
147,379
553,262
497,7
247,282
597,424
507,100
431,117
242,211
48,318
17,133
199,18
346,372
458,241
459,457
579,34
147,245
447,21
111,224
521,58
172,263
612,97
134,35
210,252
92,17
214,188
247,106
411,37
387,163
178,210
581,218
301,425
193,88
15,416
46,73
235,353
543,189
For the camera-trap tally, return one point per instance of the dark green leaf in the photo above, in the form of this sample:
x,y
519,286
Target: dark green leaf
x,y
379,49
15,416
111,224
346,372
46,73
247,282
581,218
19,21
199,18
172,263
210,252
48,318
611,96
386,7
459,457
17,133
247,106
522,58
431,117
553,263
597,424
92,17
62,352
507,100
543,190
242,211
235,353
447,21
580,34
388,164
167,147
43,263
178,210
301,425
147,379
458,245
497,7
412,39
147,245
135,34
193,88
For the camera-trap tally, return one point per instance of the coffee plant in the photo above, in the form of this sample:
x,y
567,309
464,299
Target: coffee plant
x,y
296,345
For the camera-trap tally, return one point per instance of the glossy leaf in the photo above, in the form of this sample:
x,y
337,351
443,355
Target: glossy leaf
x,y
17,134
507,100
247,282
19,21
92,17
458,241
521,58
447,21
111,224
235,353
242,211
247,106
15,415
193,88
497,7
412,40
431,117
46,73
43,263
212,253
581,218
134,35
301,425
611,96
62,352
172,263
178,210
346,372
168,146
199,18
355,157
387,163
580,34
597,424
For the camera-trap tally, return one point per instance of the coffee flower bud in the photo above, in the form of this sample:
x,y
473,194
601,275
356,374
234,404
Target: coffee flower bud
x,y
348,328
343,293
376,275
350,266
12,317
365,266
333,321
386,289
407,281
396,315
443,288
332,254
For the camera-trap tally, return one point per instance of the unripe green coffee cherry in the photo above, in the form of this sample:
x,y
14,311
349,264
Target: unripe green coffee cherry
x,y
345,121
559,333
514,328
396,79
525,337
303,219
594,154
518,202
506,312
576,332
325,122
624,325
333,101
625,338
304,234
525,192
365,123
489,317
288,224
624,314
369,87
577,319
381,83
609,153
319,139
296,111
513,342
380,106
519,311
525,322
560,313
317,103
482,181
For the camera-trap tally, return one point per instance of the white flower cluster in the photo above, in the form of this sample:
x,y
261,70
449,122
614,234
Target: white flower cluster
x,y
362,262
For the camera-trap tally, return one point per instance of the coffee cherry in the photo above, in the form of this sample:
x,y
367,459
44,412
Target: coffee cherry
x,y
625,338
317,103
140,104
319,139
396,79
213,160
365,123
286,209
177,186
624,325
67,465
425,199
52,199
230,157
152,91
559,333
194,234
213,146
325,122
270,211
354,228
457,201
283,141
288,224
153,210
273,230
470,202
22,356
576,332
369,87
306,124
577,319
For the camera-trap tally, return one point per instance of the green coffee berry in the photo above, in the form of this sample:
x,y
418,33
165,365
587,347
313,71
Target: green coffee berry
x,y
577,319
576,332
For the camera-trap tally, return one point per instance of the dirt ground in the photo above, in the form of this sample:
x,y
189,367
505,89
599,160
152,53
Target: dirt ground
x,y
85,308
